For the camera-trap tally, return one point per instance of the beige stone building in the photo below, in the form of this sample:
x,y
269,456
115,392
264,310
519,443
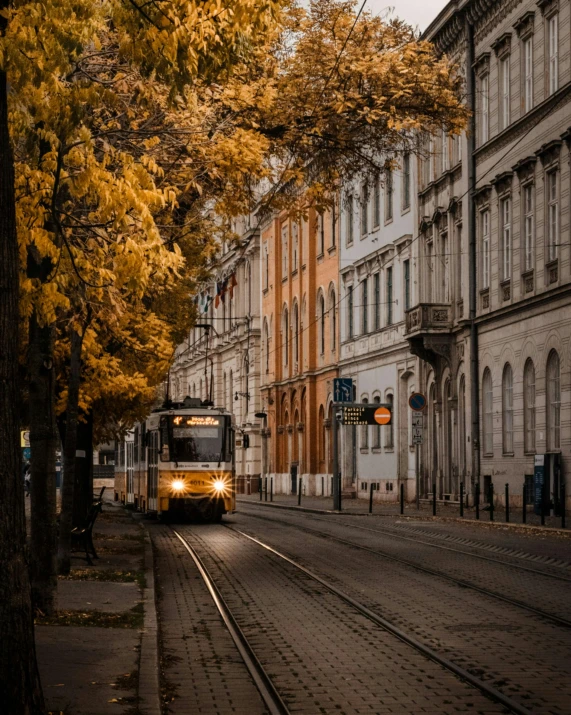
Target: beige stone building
x,y
493,323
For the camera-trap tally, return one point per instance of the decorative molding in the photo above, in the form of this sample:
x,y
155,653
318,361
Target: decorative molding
x,y
548,7
503,44
506,291
300,426
482,65
502,182
525,24
553,274
528,283
566,136
525,168
482,194
485,298
549,152
281,429
289,428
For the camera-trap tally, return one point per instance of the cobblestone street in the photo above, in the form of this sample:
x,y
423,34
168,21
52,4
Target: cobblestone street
x,y
492,602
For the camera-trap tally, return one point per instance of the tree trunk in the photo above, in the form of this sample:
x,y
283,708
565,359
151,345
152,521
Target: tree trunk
x,y
43,443
83,496
69,450
20,688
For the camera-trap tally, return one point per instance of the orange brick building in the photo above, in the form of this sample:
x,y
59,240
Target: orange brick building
x,y
299,352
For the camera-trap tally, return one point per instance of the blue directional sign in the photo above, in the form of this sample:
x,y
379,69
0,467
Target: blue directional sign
x,y
417,401
343,389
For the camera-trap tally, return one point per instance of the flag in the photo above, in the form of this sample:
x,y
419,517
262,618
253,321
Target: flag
x,y
233,284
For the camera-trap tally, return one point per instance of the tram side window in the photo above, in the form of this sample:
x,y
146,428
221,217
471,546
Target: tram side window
x,y
164,449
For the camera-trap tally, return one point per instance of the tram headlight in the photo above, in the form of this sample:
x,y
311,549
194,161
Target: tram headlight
x,y
219,486
177,485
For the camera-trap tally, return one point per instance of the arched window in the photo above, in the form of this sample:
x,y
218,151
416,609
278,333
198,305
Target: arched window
x,y
365,429
390,429
529,406
266,346
295,334
462,424
285,338
377,428
333,318
230,392
321,427
224,391
553,401
488,410
321,318
507,410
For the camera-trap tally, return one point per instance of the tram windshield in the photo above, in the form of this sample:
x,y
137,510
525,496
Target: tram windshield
x,y
194,438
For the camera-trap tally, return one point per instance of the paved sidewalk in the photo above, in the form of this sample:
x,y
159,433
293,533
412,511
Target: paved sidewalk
x,y
90,652
443,510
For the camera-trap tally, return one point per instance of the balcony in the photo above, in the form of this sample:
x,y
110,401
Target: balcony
x,y
429,334
428,318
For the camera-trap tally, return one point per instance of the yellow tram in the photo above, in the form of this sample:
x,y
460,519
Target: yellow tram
x,y
180,463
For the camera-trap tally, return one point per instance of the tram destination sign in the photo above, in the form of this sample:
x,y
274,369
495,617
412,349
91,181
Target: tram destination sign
x,y
362,414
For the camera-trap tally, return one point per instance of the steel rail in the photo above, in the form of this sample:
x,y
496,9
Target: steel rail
x,y
558,620
270,695
480,685
388,532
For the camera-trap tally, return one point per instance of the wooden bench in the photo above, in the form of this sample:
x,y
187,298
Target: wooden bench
x,y
82,536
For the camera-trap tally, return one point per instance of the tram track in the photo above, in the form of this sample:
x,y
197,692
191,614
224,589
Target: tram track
x,y
266,687
557,620
481,557
263,682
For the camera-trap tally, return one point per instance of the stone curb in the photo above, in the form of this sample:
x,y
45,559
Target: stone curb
x,y
426,517
149,687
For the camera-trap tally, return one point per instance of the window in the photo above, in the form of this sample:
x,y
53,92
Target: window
x,y
462,424
295,334
333,224
389,296
553,48
552,215
285,339
284,251
430,162
488,409
377,428
553,402
445,157
377,289
505,214
321,303
377,202
406,270
295,246
389,429
485,109
350,311
365,429
333,318
529,406
389,195
485,220
365,312
349,219
266,266
507,410
528,73
505,92
528,226
364,210
320,234
406,181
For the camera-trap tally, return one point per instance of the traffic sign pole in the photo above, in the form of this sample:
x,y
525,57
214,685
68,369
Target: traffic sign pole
x,y
336,475
417,403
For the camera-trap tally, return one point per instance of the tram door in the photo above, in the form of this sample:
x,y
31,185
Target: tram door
x,y
130,472
153,471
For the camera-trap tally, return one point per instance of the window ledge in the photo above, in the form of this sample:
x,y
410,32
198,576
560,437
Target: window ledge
x,y
530,453
508,454
265,290
284,279
389,449
331,249
377,450
294,272
320,256
364,450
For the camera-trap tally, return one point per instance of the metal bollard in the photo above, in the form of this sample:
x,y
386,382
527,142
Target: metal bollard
x,y
477,500
299,493
371,498
507,504
402,498
562,505
271,488
491,496
543,504
266,489
434,499
260,488
461,498
524,509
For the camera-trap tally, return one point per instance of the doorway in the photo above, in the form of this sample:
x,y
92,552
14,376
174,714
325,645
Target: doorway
x,y
293,473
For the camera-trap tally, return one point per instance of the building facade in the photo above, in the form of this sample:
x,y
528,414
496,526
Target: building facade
x,y
299,284
493,322
222,362
378,265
